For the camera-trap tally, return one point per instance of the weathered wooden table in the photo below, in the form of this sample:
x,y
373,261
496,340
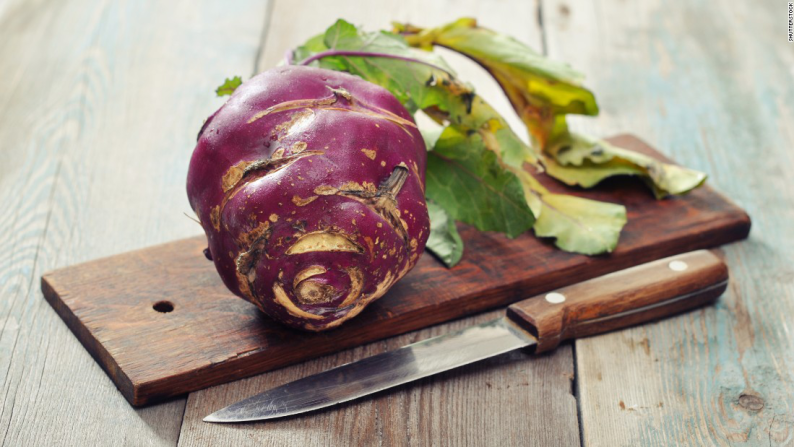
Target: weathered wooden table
x,y
99,106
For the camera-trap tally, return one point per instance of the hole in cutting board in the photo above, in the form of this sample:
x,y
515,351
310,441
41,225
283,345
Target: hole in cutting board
x,y
163,306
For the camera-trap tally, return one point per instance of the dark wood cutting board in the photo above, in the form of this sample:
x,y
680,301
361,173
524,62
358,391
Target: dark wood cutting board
x,y
211,337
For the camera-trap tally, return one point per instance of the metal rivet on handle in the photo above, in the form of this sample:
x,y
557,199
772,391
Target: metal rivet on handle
x,y
678,266
555,298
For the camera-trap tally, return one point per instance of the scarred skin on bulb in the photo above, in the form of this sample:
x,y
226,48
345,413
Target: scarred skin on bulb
x,y
309,184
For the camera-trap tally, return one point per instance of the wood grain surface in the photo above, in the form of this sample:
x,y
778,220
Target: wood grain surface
x,y
451,409
96,98
99,102
454,408
206,336
713,86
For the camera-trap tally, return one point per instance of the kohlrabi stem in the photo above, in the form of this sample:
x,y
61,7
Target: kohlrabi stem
x,y
289,57
331,53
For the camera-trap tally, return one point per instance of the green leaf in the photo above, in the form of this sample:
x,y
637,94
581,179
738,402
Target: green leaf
x,y
476,167
339,33
444,241
418,79
585,161
467,180
312,46
229,86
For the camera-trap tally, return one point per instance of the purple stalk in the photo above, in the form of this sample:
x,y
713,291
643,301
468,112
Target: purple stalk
x,y
332,53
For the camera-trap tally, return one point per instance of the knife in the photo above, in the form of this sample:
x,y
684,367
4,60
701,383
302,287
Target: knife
x,y
625,298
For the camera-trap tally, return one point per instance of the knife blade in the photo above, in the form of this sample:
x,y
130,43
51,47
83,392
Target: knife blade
x,y
625,298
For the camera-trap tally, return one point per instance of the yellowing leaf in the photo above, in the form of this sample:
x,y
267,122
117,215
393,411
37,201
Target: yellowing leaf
x,y
580,225
539,89
543,92
585,162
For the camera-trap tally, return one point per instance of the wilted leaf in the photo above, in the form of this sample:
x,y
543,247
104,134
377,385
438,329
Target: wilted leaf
x,y
444,240
580,225
585,162
539,89
542,93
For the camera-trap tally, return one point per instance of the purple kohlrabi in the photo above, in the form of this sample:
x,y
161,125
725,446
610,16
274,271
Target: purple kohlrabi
x,y
309,184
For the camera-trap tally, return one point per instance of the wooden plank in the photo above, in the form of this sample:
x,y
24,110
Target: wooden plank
x,y
512,399
459,408
100,104
207,336
712,87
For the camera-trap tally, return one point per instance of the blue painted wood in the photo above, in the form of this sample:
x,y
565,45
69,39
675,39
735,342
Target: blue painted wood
x,y
711,84
100,103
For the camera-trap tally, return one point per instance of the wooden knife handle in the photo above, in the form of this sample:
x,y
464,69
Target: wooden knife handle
x,y
624,298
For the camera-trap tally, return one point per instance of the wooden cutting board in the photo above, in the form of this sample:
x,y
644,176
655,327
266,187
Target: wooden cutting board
x,y
161,323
